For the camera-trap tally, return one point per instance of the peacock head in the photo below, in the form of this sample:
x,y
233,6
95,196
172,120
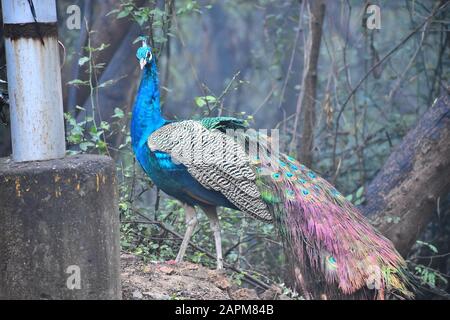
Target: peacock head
x,y
144,53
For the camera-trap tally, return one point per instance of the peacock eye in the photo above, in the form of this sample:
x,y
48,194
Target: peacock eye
x,y
149,55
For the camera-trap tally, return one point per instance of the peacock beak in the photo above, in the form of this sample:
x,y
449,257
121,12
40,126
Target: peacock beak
x,y
142,62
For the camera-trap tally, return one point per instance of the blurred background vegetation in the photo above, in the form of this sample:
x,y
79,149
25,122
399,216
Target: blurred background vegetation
x,y
248,58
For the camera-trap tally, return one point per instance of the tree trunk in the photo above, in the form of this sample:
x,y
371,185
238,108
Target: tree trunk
x,y
404,195
307,97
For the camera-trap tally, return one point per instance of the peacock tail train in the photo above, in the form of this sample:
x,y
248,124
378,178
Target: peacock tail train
x,y
333,249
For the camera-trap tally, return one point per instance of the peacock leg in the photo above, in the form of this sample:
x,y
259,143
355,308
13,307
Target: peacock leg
x,y
191,222
211,213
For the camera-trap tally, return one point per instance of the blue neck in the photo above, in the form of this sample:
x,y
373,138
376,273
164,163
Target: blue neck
x,y
146,117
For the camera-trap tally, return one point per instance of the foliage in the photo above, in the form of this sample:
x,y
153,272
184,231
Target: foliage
x,y
90,134
430,276
358,197
427,275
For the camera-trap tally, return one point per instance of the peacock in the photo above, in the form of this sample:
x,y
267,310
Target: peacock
x,y
333,250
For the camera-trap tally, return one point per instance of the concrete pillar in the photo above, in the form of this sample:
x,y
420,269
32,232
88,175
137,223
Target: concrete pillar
x,y
59,229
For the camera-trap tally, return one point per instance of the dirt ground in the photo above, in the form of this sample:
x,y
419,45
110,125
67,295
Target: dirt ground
x,y
186,281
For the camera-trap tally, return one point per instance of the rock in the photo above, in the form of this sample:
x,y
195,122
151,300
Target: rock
x,y
147,269
192,266
127,257
166,270
137,295
272,293
156,295
222,283
244,294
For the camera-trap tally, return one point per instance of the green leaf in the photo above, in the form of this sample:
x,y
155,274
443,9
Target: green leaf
x,y
125,244
77,82
104,125
82,61
429,245
106,83
112,12
349,197
85,145
124,13
101,145
118,113
102,47
74,138
139,39
202,101
123,206
359,192
67,115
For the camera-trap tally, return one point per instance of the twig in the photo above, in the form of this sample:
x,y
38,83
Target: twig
x,y
189,57
294,49
75,70
266,99
411,61
224,92
158,197
170,12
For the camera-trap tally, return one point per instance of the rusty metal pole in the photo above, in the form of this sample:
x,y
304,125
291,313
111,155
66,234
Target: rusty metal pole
x,y
34,80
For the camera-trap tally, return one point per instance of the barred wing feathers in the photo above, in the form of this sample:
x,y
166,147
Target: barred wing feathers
x,y
215,160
